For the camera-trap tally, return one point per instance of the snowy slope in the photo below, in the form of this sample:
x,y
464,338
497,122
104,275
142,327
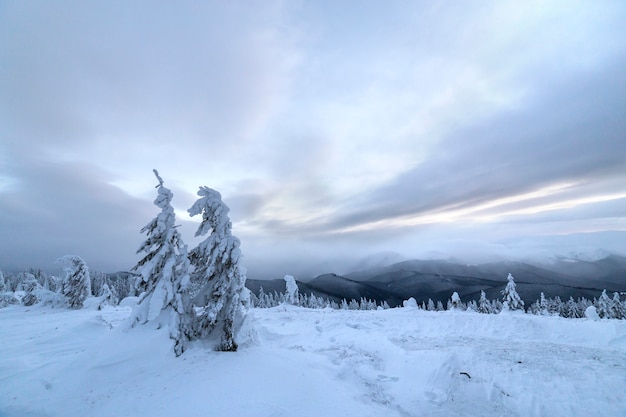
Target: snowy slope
x,y
299,362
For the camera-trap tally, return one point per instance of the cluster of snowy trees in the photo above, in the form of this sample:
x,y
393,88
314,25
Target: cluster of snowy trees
x,y
274,299
198,293
77,284
293,296
605,306
193,292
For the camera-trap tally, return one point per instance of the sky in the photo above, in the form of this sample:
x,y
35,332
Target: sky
x,y
333,130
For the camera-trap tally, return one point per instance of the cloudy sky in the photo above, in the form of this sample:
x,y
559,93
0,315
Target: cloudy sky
x,y
332,129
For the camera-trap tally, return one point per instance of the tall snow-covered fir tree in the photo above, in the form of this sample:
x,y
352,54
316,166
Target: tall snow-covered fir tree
x,y
217,272
164,270
3,286
77,283
510,298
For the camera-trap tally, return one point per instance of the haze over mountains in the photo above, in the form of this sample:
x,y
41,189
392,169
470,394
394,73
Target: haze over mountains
x,y
438,279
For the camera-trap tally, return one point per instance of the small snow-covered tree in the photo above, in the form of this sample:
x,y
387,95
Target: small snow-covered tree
x,y
97,281
510,298
484,306
30,284
291,291
108,296
271,300
570,309
77,283
619,311
262,299
3,286
603,306
555,305
217,270
543,305
431,305
164,269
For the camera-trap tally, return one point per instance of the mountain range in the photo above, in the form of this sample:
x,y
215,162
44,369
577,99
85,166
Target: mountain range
x,y
438,279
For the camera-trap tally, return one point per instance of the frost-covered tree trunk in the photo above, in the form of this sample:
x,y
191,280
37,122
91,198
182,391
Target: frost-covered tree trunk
x,y
164,270
77,283
510,298
218,273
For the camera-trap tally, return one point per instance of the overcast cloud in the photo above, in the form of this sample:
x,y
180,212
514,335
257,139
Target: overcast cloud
x,y
332,129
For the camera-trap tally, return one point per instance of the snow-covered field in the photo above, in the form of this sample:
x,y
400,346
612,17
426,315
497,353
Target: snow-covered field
x,y
299,362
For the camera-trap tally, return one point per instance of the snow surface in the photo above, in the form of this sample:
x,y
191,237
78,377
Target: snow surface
x,y
299,362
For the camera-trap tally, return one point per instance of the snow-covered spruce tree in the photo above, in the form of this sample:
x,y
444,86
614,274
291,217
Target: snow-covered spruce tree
x,y
3,286
164,270
108,296
262,299
30,284
603,306
543,307
619,311
217,270
77,283
510,298
484,306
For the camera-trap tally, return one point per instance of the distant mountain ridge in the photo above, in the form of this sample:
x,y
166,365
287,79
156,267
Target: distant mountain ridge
x,y
437,280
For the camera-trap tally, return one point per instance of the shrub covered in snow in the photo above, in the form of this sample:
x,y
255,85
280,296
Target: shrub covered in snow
x,y
410,303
